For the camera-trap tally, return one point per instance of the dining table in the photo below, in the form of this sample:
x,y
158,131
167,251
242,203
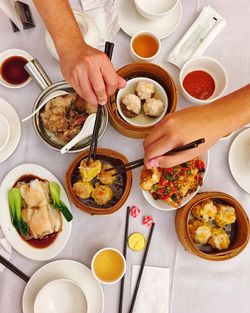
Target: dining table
x,y
196,285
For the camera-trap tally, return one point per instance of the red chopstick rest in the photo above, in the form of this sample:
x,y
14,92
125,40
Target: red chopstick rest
x,y
134,211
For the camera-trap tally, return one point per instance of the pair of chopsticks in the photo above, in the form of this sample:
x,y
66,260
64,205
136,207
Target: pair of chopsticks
x,y
142,265
138,163
109,47
14,269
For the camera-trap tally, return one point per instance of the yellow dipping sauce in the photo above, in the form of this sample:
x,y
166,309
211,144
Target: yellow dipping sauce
x,y
108,265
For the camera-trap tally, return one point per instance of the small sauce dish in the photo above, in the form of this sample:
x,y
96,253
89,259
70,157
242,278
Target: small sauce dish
x,y
12,71
144,46
108,266
60,295
4,132
208,77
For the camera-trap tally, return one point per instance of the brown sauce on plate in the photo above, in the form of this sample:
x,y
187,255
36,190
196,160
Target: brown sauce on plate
x,y
13,71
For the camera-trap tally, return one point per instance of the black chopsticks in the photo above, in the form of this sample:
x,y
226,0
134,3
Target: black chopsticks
x,y
125,256
14,269
138,163
109,47
142,268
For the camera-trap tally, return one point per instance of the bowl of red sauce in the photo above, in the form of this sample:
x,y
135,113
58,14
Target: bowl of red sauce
x,y
12,71
202,80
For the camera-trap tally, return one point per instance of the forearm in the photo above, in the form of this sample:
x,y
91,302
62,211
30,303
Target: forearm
x,y
61,24
233,110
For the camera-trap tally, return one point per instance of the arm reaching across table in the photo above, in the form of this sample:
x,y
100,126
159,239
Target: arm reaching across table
x,y
211,121
88,70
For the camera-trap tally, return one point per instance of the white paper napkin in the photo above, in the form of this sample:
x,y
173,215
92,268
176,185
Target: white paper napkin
x,y
8,8
153,293
105,16
5,248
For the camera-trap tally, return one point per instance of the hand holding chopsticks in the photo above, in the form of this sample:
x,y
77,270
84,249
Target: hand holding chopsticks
x,y
138,163
109,47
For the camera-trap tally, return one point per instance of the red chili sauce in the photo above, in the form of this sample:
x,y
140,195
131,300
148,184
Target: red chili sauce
x,y
13,71
199,84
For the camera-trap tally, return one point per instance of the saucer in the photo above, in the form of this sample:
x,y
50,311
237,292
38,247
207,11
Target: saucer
x,y
239,159
88,28
65,269
4,132
131,21
15,129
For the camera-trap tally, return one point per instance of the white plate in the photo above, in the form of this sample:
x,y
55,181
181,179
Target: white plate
x,y
162,205
67,269
239,159
10,53
9,230
131,21
142,120
15,129
88,28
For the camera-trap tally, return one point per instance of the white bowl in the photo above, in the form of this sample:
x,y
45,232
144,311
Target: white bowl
x,y
88,29
164,206
212,67
122,274
60,296
11,53
142,120
4,132
155,9
136,57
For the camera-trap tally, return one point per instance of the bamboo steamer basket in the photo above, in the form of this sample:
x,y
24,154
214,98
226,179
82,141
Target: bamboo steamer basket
x,y
148,70
242,227
121,187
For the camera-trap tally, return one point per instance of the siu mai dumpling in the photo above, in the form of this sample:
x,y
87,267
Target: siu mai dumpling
x,y
145,90
225,215
220,239
88,172
199,231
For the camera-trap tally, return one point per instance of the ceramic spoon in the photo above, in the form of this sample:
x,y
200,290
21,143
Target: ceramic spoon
x,y
53,95
85,132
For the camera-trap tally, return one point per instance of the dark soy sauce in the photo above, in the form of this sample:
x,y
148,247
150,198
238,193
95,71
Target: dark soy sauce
x,y
13,71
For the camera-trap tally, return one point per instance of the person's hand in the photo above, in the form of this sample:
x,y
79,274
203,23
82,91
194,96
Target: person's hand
x,y
180,128
90,72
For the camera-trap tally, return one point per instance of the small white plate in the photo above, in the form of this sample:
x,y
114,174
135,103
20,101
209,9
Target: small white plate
x,y
9,230
131,21
88,28
239,159
67,269
61,295
4,132
162,205
15,129
10,53
142,120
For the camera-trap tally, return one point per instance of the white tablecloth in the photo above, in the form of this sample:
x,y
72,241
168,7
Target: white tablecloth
x,y
198,286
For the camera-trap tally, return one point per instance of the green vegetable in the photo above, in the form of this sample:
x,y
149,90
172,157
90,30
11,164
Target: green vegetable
x,y
188,172
15,204
155,188
57,202
168,177
174,197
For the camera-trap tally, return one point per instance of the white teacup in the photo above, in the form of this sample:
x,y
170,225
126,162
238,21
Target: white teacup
x,y
4,132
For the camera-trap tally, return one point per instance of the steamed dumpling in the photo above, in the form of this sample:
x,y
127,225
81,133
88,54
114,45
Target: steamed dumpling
x,y
200,232
205,211
225,215
145,90
131,105
219,239
153,107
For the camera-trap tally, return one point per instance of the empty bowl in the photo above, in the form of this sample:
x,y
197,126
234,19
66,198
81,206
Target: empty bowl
x,y
214,73
155,9
238,231
61,295
4,132
142,120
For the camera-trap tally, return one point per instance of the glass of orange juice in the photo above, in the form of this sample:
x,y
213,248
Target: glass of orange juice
x,y
108,265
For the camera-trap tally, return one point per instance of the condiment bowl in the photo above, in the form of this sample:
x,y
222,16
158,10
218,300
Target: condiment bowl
x,y
239,235
60,295
142,70
120,188
155,9
138,58
4,132
13,53
210,66
142,120
108,264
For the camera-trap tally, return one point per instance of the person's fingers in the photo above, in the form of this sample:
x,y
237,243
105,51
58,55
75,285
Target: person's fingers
x,y
110,78
176,159
98,86
157,132
83,87
121,82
